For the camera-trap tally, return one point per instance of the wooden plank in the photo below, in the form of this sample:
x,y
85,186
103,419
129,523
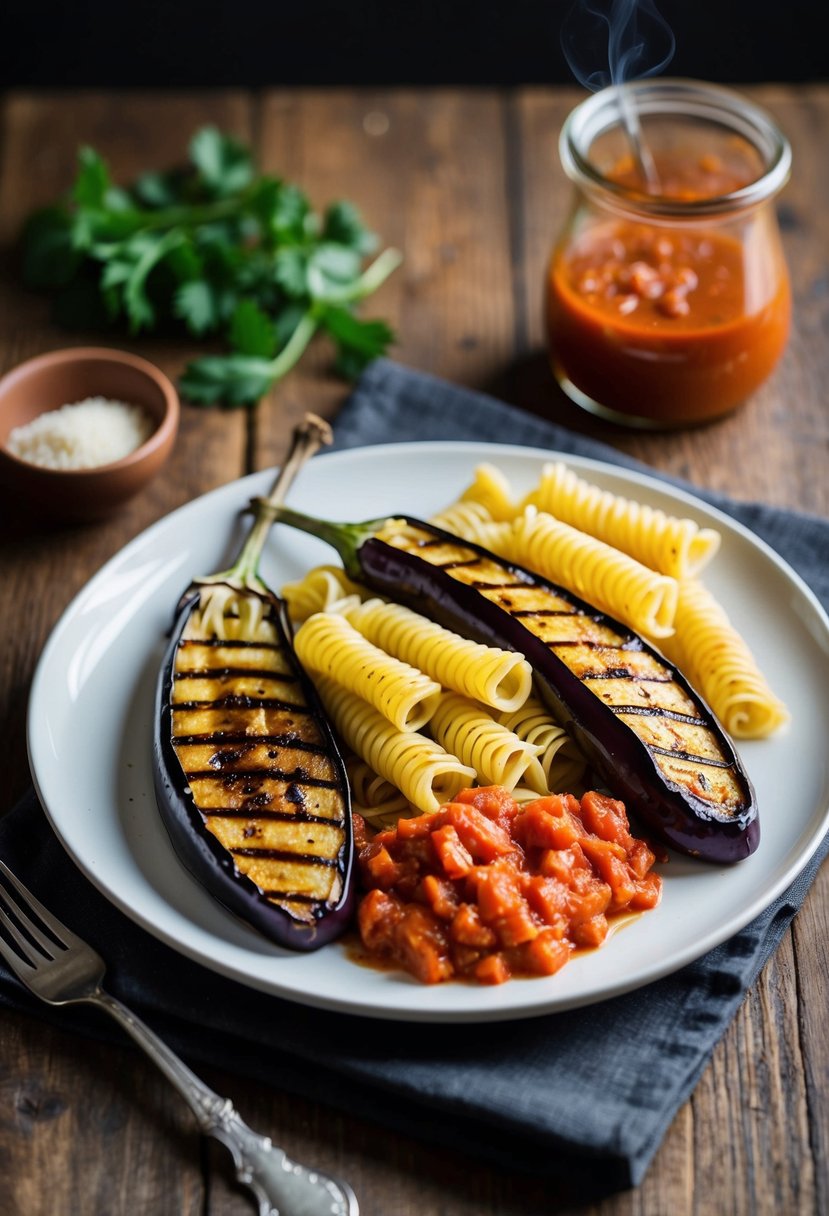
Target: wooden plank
x,y
807,978
427,172
90,1128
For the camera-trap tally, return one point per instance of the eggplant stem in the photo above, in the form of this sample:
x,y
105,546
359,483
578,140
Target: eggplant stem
x,y
345,538
308,437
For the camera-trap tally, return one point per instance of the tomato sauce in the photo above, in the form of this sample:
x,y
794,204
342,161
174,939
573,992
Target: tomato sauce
x,y
485,889
671,323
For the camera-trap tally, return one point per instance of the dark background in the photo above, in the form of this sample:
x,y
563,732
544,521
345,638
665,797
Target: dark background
x,y
184,43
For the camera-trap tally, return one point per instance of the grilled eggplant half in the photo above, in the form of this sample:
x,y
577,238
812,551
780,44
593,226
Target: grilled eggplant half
x,y
249,780
646,732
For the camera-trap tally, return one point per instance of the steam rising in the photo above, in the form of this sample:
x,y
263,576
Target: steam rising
x,y
639,41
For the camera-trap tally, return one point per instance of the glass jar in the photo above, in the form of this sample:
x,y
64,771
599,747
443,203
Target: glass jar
x,y
668,300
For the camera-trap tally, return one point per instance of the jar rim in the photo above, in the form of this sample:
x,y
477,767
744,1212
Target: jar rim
x,y
602,111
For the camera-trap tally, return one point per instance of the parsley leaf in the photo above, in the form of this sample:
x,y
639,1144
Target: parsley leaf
x,y
357,342
93,179
219,249
224,164
231,379
198,305
290,270
252,331
343,224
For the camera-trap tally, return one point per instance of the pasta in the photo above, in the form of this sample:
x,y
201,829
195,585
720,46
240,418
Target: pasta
x,y
499,678
329,644
676,547
561,761
372,796
600,574
323,589
230,615
714,657
492,490
419,767
497,756
472,521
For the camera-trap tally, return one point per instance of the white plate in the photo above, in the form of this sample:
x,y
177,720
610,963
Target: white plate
x,y
90,724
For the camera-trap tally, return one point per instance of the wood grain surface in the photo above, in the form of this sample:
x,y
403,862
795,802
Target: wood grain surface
x,y
467,184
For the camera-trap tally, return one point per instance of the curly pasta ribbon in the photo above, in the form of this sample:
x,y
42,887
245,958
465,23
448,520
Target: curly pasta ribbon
x,y
328,644
420,768
323,589
499,678
560,759
497,755
717,660
605,577
372,796
492,490
673,546
472,521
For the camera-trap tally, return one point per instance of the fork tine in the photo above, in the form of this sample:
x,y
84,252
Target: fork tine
x,y
49,945
18,960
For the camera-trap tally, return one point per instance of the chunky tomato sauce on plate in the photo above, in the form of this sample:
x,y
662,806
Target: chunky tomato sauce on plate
x,y
484,888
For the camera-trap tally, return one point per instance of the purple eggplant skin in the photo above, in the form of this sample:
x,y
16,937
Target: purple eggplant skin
x,y
203,855
622,760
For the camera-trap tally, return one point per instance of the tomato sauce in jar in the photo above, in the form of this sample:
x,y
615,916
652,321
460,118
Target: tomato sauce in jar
x,y
670,308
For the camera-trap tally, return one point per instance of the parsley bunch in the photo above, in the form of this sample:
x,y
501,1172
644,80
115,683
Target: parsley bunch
x,y
223,251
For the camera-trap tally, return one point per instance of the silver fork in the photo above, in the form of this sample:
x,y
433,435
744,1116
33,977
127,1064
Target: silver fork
x,y
62,969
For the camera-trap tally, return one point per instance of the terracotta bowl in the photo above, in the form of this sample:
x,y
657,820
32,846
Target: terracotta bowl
x,y
63,377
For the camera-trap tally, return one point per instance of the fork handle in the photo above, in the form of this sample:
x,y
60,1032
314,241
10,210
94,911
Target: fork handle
x,y
282,1187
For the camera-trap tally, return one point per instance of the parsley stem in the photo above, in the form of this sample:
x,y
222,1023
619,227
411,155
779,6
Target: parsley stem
x,y
293,349
192,215
368,281
375,274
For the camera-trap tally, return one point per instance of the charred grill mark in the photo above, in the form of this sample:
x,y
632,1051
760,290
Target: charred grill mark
x,y
522,613
656,711
230,643
285,855
298,816
246,673
219,759
235,700
624,673
251,774
690,757
591,645
220,736
482,585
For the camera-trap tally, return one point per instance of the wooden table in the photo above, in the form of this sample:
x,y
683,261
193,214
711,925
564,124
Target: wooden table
x,y
468,185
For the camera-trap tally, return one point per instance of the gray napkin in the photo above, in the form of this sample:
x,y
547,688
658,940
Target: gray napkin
x,y
592,1091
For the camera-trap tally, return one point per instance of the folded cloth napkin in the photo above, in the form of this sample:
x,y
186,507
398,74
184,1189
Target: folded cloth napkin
x,y
577,1089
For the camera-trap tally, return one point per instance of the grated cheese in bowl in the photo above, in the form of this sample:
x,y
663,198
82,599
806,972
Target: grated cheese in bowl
x,y
83,435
